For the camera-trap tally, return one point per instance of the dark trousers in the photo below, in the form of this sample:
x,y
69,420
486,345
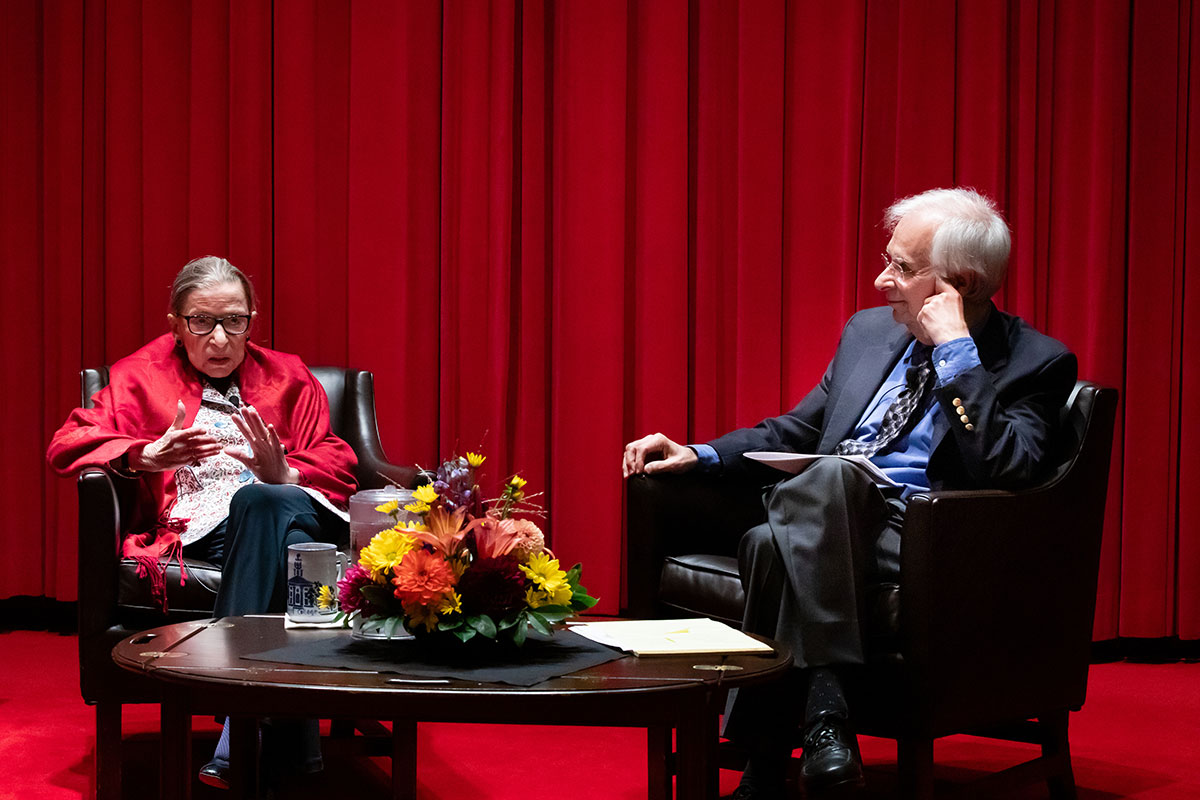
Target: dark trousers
x,y
251,545
830,534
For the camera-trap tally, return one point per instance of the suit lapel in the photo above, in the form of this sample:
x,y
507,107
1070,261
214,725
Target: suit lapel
x,y
849,398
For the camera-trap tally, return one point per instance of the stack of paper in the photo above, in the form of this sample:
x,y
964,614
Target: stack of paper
x,y
795,463
660,637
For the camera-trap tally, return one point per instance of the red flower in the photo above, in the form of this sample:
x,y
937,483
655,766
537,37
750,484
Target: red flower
x,y
492,586
350,597
422,577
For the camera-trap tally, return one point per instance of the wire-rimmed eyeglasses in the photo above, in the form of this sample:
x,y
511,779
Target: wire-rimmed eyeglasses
x,y
898,267
203,324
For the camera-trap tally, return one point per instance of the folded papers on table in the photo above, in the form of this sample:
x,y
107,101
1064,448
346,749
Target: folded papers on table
x,y
652,637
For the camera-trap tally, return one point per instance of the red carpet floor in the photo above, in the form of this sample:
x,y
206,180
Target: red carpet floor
x,y
1137,737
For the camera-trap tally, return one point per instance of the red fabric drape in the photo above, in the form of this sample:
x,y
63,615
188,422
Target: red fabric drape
x,y
549,227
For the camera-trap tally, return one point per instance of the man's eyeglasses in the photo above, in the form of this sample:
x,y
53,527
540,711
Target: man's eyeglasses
x,y
203,324
898,267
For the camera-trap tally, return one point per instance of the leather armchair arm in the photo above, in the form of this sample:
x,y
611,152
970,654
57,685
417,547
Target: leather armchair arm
x,y
362,433
676,514
100,516
997,595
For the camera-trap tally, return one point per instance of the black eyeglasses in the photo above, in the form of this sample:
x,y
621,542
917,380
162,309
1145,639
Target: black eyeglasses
x,y
203,324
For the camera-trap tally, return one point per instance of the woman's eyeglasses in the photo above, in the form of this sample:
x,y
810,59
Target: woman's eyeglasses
x,y
203,324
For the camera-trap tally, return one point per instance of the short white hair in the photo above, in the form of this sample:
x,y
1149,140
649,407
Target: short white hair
x,y
971,235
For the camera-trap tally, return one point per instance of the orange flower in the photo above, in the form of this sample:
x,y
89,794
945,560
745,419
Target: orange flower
x,y
445,530
498,537
422,577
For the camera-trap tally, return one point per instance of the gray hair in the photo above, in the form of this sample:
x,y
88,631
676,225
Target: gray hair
x,y
205,273
971,235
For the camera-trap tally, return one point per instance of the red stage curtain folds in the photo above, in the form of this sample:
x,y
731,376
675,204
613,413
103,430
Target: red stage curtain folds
x,y
549,227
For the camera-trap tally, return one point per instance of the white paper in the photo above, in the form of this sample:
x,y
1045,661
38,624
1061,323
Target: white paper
x,y
648,637
795,463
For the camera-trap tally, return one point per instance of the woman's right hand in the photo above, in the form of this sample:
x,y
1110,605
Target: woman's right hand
x,y
176,448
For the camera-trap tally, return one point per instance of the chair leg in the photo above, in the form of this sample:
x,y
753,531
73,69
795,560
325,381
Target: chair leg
x,y
1056,749
404,759
915,764
659,766
108,751
341,728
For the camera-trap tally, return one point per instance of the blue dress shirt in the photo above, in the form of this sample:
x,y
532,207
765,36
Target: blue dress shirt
x,y
906,459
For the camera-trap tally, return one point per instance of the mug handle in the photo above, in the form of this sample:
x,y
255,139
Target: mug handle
x,y
343,562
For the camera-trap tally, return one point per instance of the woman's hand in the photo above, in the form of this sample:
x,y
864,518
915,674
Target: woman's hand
x,y
176,448
264,453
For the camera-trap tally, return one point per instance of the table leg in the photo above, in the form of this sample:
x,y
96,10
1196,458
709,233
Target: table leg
x,y
175,780
658,762
243,757
696,776
404,759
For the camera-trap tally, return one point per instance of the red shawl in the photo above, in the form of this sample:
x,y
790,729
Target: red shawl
x,y
138,406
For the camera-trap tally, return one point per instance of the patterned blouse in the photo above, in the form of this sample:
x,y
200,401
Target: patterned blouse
x,y
204,491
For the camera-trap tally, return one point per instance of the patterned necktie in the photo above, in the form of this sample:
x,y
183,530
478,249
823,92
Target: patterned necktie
x,y
900,413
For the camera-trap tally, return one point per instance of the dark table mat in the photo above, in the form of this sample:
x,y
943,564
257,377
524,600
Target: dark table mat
x,y
538,660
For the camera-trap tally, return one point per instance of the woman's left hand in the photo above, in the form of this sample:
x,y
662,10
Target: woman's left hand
x,y
264,453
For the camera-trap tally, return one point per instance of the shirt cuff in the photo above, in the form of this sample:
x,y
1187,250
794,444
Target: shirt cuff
x,y
710,462
953,358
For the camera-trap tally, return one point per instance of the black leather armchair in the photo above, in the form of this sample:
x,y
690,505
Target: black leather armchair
x,y
114,603
989,630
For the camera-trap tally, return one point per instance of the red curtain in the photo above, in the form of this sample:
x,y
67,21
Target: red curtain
x,y
551,226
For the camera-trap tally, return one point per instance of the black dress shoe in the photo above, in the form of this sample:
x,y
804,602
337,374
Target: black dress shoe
x,y
213,774
750,792
831,758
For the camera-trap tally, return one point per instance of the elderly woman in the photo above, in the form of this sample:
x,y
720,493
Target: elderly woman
x,y
231,447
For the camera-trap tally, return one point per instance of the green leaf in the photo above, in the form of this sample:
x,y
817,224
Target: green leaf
x,y
554,613
539,624
518,635
390,625
582,601
511,619
484,624
465,634
376,594
573,574
450,625
547,611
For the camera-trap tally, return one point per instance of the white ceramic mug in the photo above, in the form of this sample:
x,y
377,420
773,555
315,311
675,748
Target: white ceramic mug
x,y
311,565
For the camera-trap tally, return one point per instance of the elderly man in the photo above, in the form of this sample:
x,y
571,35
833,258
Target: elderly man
x,y
945,391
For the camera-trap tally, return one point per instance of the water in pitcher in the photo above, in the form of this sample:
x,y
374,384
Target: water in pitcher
x,y
365,521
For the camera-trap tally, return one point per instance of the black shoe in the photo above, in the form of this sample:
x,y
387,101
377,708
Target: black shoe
x,y
831,756
750,792
764,777
213,774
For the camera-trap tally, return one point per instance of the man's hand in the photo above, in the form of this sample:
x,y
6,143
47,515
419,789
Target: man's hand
x,y
942,316
176,448
264,453
657,453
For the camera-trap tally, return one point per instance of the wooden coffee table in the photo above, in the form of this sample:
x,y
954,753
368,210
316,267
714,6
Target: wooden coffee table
x,y
202,671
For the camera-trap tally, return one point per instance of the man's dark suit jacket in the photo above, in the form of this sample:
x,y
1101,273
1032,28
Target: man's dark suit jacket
x,y
1011,402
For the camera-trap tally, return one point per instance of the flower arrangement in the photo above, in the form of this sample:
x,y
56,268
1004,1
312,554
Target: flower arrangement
x,y
467,568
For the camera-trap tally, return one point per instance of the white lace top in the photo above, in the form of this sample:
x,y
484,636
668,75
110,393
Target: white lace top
x,y
204,491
